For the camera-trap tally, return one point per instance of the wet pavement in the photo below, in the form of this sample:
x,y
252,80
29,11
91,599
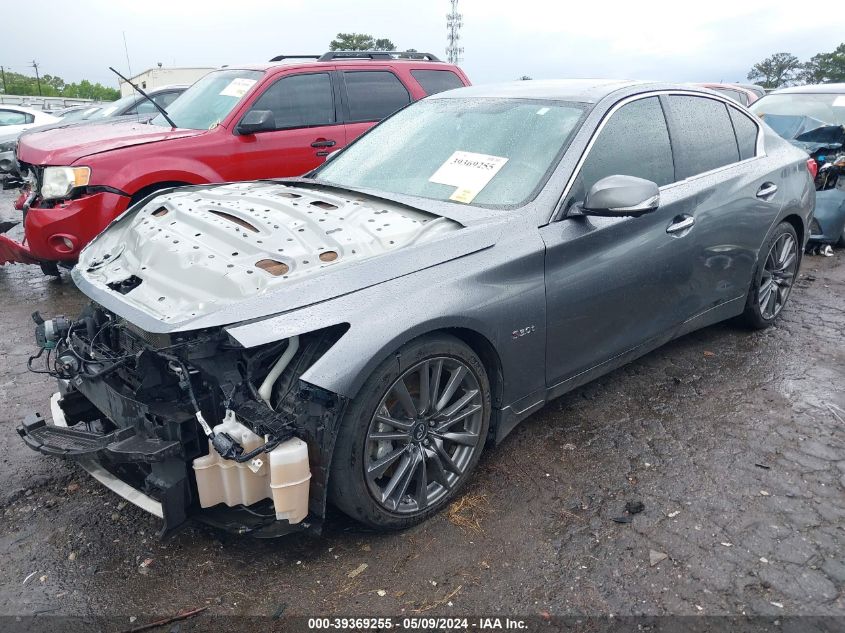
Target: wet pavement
x,y
734,441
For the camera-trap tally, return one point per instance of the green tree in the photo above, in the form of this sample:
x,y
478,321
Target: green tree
x,y
825,67
52,86
776,70
384,44
360,42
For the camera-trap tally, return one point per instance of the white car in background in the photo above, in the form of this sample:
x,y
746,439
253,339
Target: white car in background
x,y
15,119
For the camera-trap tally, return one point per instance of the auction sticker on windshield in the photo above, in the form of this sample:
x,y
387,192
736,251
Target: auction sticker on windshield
x,y
237,87
468,172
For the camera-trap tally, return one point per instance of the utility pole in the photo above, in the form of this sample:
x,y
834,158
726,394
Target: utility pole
x,y
454,22
37,78
3,74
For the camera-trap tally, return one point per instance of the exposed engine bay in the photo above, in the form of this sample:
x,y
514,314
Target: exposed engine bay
x,y
193,421
826,145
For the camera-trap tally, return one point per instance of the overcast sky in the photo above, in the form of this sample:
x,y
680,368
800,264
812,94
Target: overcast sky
x,y
710,40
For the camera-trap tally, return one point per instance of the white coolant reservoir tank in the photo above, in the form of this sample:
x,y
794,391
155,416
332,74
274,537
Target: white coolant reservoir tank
x,y
225,481
290,478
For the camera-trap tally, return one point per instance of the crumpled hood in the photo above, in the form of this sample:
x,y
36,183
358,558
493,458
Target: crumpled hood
x,y
67,144
197,257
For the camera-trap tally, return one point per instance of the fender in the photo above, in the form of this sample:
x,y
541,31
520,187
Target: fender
x,y
146,172
511,292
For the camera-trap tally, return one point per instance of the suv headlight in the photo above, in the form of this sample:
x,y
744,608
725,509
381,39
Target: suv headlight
x,y
8,146
58,182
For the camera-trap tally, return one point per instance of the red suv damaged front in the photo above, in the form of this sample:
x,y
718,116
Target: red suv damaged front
x,y
267,121
68,196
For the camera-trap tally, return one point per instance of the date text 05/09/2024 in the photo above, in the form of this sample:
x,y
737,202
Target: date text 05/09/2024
x,y
418,623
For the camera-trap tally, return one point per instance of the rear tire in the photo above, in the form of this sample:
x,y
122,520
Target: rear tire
x,y
774,276
401,456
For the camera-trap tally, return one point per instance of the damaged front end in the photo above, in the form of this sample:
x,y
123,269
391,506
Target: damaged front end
x,y
190,425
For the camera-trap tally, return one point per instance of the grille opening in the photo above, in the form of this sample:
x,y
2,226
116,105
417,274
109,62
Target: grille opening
x,y
235,220
160,212
324,205
272,266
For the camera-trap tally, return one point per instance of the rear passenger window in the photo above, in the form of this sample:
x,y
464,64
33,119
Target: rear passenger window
x,y
299,101
166,98
746,134
434,81
634,142
374,94
702,135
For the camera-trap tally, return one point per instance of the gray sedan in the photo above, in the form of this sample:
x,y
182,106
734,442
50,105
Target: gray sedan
x,y
359,335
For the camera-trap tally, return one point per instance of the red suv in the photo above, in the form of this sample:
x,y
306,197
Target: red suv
x,y
269,121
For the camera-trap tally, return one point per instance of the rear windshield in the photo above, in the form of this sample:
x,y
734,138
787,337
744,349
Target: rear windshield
x,y
826,109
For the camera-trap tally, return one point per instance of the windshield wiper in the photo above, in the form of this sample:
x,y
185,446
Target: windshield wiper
x,y
147,97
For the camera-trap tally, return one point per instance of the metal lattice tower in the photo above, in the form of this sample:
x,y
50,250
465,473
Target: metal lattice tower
x,y
454,22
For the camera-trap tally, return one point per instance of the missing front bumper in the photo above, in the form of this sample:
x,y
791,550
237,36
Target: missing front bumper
x,y
171,491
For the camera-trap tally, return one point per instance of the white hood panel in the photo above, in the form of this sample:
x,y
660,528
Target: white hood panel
x,y
195,251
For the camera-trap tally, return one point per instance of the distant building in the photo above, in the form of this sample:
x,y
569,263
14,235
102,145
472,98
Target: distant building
x,y
157,77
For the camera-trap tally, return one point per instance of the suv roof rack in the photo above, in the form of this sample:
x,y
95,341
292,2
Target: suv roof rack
x,y
279,58
334,55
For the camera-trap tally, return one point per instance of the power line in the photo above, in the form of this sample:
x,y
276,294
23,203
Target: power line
x,y
454,22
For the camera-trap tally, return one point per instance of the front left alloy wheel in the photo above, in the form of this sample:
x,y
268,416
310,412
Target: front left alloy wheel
x,y
408,443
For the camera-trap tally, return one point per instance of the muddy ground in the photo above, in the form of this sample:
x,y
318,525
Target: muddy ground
x,y
734,441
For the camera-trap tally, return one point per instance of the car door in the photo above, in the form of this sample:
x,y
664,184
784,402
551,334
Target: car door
x,y
370,96
615,284
308,127
12,121
716,158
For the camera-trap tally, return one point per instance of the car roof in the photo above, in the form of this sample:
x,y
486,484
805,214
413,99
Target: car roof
x,y
309,63
9,106
158,89
576,90
814,89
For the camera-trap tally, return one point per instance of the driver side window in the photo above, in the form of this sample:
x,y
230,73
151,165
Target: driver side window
x,y
633,142
299,101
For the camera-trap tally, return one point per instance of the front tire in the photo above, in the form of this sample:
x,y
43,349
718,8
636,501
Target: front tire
x,y
774,276
410,439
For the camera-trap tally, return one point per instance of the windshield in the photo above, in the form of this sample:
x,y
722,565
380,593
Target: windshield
x,y
111,109
793,114
206,103
80,115
487,152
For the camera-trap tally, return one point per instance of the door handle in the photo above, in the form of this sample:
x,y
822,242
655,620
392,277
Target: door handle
x,y
767,190
680,223
323,143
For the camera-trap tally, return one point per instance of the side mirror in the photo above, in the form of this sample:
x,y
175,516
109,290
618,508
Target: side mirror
x,y
619,196
256,121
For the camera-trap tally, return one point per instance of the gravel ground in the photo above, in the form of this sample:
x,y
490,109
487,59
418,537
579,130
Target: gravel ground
x,y
734,442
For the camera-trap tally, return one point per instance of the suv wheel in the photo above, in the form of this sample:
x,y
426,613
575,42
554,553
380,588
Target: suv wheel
x,y
409,441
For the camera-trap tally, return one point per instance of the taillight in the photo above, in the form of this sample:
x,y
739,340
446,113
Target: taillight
x,y
812,167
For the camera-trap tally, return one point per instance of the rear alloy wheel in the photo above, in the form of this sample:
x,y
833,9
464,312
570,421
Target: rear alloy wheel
x,y
423,434
777,268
